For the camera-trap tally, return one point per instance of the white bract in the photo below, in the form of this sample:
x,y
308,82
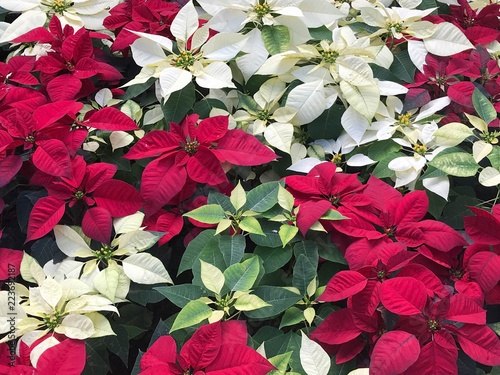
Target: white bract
x,y
198,56
68,307
103,271
78,13
424,148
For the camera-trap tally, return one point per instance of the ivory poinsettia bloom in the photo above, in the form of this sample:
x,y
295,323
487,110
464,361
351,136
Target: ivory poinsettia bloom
x,y
68,307
111,268
198,56
263,114
78,13
424,148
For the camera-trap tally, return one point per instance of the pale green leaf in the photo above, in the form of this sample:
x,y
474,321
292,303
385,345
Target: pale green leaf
x,y
248,302
314,359
212,277
238,197
193,313
143,268
209,214
276,38
287,233
452,134
460,164
285,199
489,177
251,225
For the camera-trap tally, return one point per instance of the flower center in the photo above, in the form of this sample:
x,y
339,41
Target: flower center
x,y
491,137
337,158
262,9
404,120
334,200
263,115
30,139
79,194
184,60
390,231
329,55
398,27
191,148
380,274
60,6
52,320
433,325
420,149
104,253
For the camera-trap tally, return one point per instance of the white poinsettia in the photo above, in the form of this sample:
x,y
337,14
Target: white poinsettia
x,y
263,114
111,268
391,119
78,13
202,58
423,149
68,307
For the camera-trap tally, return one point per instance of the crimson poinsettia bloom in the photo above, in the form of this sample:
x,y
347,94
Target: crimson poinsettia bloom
x,y
323,189
89,185
219,348
202,153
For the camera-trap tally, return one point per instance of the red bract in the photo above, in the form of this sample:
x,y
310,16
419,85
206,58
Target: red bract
x,y
89,185
10,262
153,17
65,71
323,189
217,348
18,69
201,153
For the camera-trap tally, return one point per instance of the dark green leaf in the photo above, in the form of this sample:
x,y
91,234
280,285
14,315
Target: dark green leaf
x,y
206,239
403,67
232,248
327,125
203,107
303,273
271,238
483,106
136,90
180,295
274,257
263,197
179,103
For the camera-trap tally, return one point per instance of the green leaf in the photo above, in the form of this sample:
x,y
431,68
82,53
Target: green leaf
x,y
327,125
263,197
384,74
203,107
307,248
209,214
238,197
274,258
494,157
403,67
248,302
287,233
144,294
332,214
280,361
452,134
382,169
292,316
321,33
242,276
214,197
276,38
303,273
248,103
232,248
212,277
285,199
278,298
271,238
193,313
204,240
381,149
289,342
135,90
329,251
181,295
118,343
179,103
251,225
460,164
483,106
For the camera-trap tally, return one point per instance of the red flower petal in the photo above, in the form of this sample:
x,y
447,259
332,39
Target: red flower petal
x,y
393,353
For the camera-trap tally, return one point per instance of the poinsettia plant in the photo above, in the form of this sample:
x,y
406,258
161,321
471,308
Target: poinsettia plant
x,y
256,187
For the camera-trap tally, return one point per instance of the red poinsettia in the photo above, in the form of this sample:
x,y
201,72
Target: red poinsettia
x,y
323,189
67,357
215,349
88,185
65,71
153,17
202,153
